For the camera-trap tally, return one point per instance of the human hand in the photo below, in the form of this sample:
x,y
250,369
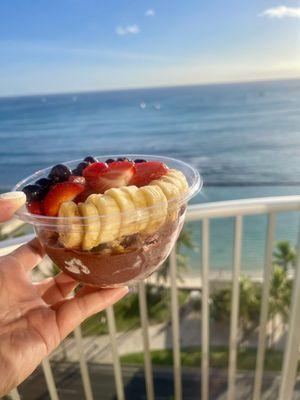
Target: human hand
x,y
35,318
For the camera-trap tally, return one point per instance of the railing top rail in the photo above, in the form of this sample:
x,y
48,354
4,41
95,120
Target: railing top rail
x,y
232,208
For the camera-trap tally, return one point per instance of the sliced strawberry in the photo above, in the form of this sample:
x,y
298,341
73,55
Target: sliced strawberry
x,y
81,198
113,175
77,179
93,170
59,193
35,207
146,172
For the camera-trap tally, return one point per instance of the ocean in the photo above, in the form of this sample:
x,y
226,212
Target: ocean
x,y
244,139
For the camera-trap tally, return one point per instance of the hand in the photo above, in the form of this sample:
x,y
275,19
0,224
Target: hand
x,y
35,318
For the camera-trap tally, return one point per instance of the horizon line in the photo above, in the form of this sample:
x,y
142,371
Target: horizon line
x,y
171,86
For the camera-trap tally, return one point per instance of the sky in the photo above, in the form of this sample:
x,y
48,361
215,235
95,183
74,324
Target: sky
x,y
79,45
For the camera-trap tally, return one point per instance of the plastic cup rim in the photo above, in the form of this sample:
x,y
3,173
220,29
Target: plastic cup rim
x,y
24,215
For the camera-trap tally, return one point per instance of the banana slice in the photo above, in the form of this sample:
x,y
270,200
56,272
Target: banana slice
x,y
140,203
155,199
110,217
91,225
129,224
170,189
180,177
71,231
172,192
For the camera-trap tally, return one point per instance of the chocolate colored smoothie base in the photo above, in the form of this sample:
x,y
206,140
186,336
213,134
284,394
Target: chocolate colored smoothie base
x,y
112,270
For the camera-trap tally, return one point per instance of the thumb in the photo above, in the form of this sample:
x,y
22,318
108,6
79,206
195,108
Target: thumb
x,y
9,204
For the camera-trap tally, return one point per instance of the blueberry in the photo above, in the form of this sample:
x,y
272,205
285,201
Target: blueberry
x,y
80,167
109,160
33,192
59,173
123,159
90,159
44,183
139,160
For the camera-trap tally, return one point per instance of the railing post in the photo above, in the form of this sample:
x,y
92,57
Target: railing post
x,y
264,307
205,310
145,332
233,339
83,365
291,353
114,349
49,379
175,327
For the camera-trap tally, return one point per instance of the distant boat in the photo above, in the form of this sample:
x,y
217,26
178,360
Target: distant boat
x,y
143,105
157,106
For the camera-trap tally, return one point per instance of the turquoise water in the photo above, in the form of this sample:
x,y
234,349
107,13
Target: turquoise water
x,y
243,138
254,229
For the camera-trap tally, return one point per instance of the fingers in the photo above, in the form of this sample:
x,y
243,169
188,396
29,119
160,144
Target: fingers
x,y
55,289
29,255
88,301
9,204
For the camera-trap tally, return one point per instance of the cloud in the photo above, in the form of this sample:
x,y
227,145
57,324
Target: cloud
x,y
281,12
150,12
127,30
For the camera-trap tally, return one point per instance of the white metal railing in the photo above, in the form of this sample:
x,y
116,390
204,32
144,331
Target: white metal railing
x,y
203,213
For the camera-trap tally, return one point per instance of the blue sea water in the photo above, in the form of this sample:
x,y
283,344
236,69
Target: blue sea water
x,y
243,138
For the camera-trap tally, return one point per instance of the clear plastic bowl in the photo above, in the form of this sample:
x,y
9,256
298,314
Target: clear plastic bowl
x,y
136,241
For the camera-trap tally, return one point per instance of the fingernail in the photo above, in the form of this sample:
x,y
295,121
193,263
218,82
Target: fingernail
x,y
16,196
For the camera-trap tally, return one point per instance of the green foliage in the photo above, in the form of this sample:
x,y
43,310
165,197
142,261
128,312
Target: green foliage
x,y
284,255
221,304
219,355
280,293
185,241
250,297
249,304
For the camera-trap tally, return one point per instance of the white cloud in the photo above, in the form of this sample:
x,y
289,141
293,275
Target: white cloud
x,y
282,12
126,30
150,12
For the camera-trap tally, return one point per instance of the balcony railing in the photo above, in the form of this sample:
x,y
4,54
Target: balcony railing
x,y
203,213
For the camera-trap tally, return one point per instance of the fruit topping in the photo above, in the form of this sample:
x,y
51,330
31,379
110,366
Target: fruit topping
x,y
123,159
110,160
90,159
35,207
139,160
80,167
59,173
33,192
102,177
81,198
44,183
77,179
145,172
60,193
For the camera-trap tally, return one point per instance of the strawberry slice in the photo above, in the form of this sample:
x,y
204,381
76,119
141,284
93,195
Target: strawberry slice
x,y
81,198
104,177
148,171
59,193
35,207
77,179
